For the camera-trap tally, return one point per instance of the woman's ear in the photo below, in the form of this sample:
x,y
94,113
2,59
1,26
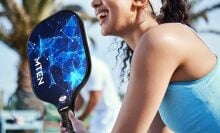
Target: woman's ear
x,y
140,3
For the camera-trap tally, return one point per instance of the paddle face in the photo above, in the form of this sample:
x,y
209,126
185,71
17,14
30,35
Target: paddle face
x,y
59,59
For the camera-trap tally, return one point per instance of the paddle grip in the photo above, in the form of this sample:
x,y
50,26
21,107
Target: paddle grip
x,y
66,122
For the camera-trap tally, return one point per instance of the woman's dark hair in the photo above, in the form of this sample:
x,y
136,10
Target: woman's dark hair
x,y
172,11
126,53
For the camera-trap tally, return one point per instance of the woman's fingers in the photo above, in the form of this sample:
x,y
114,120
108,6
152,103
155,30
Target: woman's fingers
x,y
71,115
63,130
77,124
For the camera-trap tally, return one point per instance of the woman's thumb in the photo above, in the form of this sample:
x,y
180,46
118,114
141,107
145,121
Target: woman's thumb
x,y
71,117
77,124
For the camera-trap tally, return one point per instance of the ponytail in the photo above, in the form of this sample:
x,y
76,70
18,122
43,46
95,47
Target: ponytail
x,y
174,11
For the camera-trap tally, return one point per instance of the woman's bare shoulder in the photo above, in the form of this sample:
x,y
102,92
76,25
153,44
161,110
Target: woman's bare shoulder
x,y
166,32
161,37
177,41
169,38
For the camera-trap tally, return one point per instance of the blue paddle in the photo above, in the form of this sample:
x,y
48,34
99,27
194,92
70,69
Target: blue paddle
x,y
59,61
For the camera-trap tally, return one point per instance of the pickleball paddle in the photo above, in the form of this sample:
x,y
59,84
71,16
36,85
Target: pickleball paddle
x,y
59,61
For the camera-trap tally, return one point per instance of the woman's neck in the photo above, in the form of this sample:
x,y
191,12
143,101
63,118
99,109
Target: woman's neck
x,y
132,36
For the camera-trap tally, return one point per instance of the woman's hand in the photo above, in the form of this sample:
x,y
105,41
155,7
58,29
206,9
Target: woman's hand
x,y
77,124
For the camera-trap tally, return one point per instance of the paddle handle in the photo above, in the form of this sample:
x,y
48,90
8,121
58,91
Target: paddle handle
x,y
66,122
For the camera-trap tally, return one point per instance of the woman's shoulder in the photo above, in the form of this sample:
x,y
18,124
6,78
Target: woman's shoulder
x,y
179,42
169,36
164,40
165,30
164,35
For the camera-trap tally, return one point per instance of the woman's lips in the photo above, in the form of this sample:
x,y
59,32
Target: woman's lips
x,y
101,15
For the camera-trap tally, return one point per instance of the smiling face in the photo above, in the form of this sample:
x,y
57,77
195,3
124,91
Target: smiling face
x,y
115,16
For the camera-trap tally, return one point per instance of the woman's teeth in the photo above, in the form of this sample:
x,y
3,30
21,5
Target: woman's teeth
x,y
102,14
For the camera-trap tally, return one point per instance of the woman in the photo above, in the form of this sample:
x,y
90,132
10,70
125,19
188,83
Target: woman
x,y
172,70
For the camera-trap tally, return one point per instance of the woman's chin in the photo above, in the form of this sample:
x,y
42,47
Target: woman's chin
x,y
105,32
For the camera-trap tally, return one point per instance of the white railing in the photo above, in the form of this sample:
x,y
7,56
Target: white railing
x,y
21,120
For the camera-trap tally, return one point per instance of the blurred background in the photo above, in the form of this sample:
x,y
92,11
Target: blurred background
x,y
18,17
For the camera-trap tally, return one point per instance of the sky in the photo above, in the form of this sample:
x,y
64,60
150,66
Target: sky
x,y
9,59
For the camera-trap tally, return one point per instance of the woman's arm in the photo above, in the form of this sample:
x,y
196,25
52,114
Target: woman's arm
x,y
153,64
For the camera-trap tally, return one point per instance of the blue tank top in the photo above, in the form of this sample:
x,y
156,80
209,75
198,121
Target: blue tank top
x,y
193,107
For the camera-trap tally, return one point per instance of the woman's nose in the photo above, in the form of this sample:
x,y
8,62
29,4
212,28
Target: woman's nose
x,y
96,3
